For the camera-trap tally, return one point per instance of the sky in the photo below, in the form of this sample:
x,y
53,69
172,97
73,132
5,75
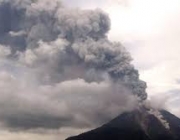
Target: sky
x,y
148,29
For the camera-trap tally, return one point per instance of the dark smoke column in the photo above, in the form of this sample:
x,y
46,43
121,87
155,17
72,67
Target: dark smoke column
x,y
96,51
26,23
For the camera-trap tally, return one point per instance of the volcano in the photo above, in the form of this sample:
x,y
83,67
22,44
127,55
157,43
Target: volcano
x,y
140,124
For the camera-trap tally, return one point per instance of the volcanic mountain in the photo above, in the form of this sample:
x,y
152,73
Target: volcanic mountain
x,y
140,124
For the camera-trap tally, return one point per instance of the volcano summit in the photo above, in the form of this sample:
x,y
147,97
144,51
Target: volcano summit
x,y
137,125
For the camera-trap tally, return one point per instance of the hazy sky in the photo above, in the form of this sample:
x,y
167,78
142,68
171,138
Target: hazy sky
x,y
149,29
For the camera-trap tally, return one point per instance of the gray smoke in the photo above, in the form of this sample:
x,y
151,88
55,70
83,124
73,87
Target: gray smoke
x,y
58,68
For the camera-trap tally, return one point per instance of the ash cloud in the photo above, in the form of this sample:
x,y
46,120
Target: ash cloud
x,y
59,69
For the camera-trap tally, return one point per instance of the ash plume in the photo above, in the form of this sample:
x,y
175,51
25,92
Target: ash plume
x,y
58,67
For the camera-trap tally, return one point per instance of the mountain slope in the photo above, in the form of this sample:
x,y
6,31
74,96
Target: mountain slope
x,y
136,125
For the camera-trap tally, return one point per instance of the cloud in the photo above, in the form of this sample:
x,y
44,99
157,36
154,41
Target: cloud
x,y
58,68
74,103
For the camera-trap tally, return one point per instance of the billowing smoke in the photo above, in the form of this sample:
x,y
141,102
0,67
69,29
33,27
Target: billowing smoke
x,y
58,68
